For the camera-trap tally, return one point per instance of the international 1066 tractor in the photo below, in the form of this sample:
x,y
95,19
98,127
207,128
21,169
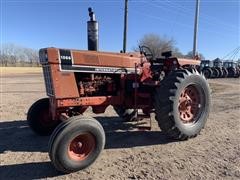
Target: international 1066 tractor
x,y
169,88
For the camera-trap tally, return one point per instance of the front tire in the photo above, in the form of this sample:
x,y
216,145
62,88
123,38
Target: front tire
x,y
182,104
76,144
39,118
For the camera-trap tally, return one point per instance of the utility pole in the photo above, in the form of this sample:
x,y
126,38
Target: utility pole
x,y
196,29
125,26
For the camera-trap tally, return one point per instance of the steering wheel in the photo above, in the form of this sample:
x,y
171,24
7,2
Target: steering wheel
x,y
147,52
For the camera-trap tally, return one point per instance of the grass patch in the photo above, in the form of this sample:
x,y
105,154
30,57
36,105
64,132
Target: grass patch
x,y
19,70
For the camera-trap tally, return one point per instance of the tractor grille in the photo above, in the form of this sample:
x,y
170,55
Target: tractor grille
x,y
43,58
48,79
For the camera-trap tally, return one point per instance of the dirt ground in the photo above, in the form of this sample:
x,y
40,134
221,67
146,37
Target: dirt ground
x,y
128,154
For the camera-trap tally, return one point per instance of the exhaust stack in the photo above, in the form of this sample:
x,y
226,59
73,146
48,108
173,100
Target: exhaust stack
x,y
92,30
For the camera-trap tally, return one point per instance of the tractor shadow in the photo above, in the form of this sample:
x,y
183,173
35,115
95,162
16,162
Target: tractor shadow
x,y
120,134
34,170
18,137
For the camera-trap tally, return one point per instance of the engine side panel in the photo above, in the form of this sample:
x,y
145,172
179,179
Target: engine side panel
x,y
88,77
89,61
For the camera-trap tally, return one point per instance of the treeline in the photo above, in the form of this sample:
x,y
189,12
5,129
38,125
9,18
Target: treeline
x,y
14,55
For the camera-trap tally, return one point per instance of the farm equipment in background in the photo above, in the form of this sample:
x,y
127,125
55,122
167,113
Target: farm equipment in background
x,y
238,65
170,89
231,63
218,64
206,67
219,69
232,68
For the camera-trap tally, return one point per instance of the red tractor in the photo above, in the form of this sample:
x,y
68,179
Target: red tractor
x,y
170,88
75,80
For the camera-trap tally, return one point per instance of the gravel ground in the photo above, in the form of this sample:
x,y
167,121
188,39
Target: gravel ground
x,y
128,154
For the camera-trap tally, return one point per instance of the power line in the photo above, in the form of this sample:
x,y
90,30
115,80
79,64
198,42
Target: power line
x,y
235,54
204,18
231,53
186,12
182,24
158,18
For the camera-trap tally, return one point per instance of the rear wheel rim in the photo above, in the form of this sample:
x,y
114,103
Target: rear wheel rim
x,y
81,146
190,104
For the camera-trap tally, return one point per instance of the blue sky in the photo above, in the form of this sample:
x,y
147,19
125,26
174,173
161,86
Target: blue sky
x,y
58,23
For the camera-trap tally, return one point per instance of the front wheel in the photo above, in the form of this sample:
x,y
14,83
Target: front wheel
x,y
76,144
182,104
39,118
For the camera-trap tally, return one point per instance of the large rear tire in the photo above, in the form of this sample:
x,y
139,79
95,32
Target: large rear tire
x,y
39,118
76,144
182,104
237,75
215,72
225,72
207,72
231,72
220,72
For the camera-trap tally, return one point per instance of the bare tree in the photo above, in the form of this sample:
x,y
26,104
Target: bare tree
x,y
190,55
12,60
1,57
158,44
4,60
31,55
13,55
176,53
